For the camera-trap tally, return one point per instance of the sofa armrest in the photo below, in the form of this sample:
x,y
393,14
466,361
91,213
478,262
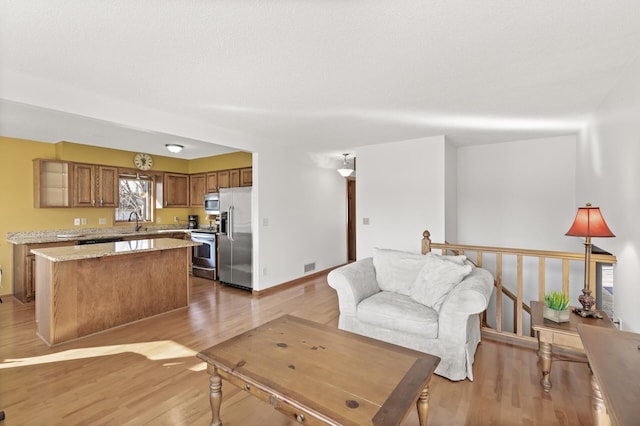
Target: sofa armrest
x,y
470,297
353,283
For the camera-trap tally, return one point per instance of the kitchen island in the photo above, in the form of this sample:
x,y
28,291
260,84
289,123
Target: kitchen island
x,y
90,288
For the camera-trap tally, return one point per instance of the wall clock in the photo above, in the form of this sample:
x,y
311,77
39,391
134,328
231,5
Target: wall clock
x,y
143,161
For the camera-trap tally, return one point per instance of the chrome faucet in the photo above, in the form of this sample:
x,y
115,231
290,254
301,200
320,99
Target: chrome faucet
x,y
138,226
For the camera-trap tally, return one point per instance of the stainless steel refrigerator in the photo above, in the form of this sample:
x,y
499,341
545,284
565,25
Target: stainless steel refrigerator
x,y
235,238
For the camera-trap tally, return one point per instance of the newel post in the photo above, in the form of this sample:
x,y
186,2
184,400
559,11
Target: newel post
x,y
426,242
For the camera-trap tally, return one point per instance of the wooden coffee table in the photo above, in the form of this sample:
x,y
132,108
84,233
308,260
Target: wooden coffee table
x,y
563,334
613,358
321,375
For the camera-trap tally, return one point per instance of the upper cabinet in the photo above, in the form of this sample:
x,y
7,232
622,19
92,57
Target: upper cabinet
x,y
212,182
197,189
95,186
228,179
176,190
246,176
223,179
67,184
52,183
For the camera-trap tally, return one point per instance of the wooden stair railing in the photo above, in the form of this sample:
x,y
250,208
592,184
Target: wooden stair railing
x,y
515,292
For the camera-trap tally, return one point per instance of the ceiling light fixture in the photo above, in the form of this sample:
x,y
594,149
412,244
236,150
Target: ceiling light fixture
x,y
174,147
346,169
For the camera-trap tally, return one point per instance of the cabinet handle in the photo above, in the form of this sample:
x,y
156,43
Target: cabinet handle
x,y
247,387
300,418
101,203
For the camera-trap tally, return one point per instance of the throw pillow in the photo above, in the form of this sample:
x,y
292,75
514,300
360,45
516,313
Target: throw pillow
x,y
396,270
459,259
436,279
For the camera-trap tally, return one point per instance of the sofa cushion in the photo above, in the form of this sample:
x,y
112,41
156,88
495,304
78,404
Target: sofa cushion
x,y
436,279
396,270
393,311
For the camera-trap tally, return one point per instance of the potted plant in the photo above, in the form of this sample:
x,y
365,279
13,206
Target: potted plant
x,y
556,307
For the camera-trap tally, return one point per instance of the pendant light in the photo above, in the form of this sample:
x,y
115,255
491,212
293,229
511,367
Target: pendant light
x,y
346,169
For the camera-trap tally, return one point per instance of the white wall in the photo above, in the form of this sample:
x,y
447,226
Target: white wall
x,y
299,216
401,190
451,193
518,194
609,177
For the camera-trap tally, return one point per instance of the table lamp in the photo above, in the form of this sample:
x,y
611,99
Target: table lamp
x,y
588,223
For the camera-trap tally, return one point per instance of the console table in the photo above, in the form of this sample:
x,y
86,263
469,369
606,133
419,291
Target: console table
x,y
563,334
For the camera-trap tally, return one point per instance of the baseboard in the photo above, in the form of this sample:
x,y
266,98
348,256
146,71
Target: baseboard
x,y
293,283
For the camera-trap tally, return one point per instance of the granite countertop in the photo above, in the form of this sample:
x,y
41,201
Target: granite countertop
x,y
92,251
36,237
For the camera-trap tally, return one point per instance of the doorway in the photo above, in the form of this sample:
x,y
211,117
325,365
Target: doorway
x,y
351,220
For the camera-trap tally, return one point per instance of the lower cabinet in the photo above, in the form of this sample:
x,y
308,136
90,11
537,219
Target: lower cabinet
x,y
24,274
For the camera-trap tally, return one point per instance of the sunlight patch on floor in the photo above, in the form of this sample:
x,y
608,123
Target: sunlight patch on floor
x,y
154,351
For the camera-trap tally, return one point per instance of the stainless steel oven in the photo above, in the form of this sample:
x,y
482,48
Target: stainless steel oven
x,y
204,255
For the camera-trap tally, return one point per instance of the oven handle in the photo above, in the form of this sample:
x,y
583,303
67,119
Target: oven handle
x,y
230,224
203,238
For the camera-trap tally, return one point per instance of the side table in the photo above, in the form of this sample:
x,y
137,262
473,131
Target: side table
x,y
560,334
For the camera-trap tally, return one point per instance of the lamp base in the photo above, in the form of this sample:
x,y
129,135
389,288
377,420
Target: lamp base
x,y
587,313
587,301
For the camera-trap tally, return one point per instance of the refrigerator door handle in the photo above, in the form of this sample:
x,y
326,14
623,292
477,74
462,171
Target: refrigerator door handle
x,y
230,224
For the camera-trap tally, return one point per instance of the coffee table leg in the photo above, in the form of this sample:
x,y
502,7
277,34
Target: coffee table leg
x,y
423,406
600,416
545,357
215,397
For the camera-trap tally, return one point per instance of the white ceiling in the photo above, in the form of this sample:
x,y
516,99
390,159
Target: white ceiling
x,y
323,75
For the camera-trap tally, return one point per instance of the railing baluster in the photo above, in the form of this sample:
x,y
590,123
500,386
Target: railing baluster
x,y
542,279
565,276
519,300
499,292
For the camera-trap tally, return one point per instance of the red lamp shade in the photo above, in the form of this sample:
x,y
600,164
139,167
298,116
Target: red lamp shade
x,y
589,223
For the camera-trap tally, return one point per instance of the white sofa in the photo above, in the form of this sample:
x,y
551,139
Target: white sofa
x,y
429,303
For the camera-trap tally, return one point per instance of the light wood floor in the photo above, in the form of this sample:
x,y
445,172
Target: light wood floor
x,y
147,372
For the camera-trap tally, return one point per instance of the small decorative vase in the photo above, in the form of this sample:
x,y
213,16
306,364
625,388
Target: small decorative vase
x,y
557,316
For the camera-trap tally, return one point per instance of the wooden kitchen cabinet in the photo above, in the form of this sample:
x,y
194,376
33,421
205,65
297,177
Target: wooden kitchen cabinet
x,y
24,268
234,178
108,186
176,190
52,183
231,178
246,176
212,182
95,186
197,189
223,179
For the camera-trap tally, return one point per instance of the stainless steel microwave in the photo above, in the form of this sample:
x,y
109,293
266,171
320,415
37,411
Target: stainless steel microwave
x,y
212,203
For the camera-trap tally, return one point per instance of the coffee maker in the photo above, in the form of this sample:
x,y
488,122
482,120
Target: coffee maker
x,y
193,221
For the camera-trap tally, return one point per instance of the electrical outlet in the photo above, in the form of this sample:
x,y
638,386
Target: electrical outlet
x,y
159,219
83,220
176,219
264,270
76,221
102,221
618,323
365,220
